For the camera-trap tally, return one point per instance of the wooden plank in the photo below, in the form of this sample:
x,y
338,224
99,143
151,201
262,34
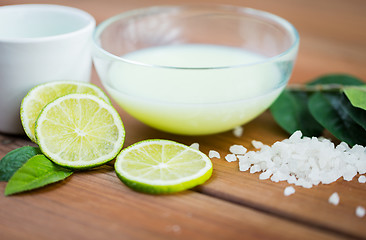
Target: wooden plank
x,y
308,206
96,205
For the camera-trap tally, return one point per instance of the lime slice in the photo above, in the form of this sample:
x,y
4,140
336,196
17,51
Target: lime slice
x,y
162,166
79,131
42,94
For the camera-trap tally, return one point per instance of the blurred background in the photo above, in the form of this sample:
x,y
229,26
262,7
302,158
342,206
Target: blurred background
x,y
332,32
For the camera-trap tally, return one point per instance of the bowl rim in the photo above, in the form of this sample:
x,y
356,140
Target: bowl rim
x,y
88,26
247,10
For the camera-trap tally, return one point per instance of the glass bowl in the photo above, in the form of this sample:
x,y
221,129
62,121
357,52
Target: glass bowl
x,y
195,69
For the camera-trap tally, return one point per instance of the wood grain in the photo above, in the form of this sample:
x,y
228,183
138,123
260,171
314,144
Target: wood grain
x,y
95,205
306,206
232,204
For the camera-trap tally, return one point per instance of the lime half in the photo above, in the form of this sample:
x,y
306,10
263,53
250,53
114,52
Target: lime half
x,y
42,94
79,131
162,166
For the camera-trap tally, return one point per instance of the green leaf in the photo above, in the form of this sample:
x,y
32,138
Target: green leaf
x,y
357,114
329,110
15,159
36,172
357,96
343,79
291,112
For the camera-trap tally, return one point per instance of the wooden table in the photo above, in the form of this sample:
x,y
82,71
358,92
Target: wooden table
x,y
232,204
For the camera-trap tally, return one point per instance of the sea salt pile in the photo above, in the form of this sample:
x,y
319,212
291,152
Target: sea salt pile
x,y
304,161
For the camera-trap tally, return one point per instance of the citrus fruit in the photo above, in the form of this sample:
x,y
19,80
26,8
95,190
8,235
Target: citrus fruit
x,y
42,94
162,166
79,131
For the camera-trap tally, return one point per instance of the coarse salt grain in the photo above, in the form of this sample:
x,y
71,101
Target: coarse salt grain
x,y
238,149
257,144
334,199
238,131
231,158
213,154
265,175
195,146
305,161
360,212
362,179
255,168
288,191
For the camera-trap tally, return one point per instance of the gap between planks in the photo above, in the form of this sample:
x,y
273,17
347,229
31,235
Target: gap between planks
x,y
248,204
266,210
274,213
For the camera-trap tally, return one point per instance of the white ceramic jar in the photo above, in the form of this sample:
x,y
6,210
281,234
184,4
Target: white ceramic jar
x,y
40,43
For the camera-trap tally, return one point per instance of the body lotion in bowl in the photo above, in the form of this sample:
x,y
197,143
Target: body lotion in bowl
x,y
195,70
